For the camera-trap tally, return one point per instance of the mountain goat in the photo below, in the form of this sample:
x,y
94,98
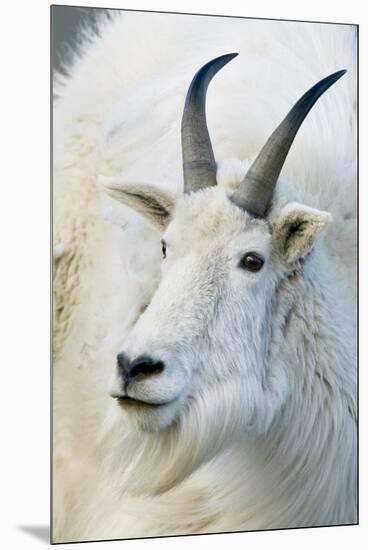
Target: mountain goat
x,y
204,373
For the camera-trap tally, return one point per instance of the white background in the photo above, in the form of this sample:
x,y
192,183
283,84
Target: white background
x,y
25,279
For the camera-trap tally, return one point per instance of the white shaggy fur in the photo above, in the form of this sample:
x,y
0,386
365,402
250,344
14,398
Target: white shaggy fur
x,y
260,431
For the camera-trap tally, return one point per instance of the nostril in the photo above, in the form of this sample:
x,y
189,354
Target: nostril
x,y
146,366
123,361
142,365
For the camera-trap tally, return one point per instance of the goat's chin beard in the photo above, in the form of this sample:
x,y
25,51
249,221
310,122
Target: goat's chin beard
x,y
151,418
214,413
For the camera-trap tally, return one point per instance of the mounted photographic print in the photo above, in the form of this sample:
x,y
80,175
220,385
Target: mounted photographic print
x,y
204,274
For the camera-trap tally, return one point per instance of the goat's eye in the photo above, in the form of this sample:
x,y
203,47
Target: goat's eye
x,y
163,249
252,262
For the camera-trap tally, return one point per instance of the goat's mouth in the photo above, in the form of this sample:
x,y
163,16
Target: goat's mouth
x,y
127,401
148,416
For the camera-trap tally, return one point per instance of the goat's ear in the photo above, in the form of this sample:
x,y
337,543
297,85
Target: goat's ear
x,y
295,229
154,204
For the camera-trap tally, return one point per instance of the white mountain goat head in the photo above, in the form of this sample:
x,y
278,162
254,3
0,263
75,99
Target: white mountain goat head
x,y
232,263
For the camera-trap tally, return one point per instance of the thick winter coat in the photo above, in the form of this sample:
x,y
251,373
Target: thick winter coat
x,y
255,419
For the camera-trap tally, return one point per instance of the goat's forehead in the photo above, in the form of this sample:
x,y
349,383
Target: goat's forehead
x,y
210,215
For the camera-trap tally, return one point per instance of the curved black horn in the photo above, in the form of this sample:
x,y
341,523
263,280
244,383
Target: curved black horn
x,y
256,190
199,163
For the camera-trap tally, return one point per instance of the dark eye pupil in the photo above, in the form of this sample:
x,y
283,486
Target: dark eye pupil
x,y
252,262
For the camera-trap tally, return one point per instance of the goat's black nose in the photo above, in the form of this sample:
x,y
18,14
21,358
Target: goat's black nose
x,y
142,366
